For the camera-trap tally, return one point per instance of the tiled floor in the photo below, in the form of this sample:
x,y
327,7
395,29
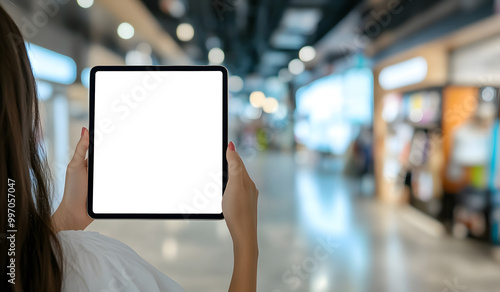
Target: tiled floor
x,y
317,232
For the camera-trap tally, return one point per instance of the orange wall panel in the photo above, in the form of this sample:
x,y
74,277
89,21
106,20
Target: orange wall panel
x,y
459,104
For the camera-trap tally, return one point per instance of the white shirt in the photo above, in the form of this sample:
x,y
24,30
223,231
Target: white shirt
x,y
94,262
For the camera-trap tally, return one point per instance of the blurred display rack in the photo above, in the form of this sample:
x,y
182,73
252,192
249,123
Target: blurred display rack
x,y
437,56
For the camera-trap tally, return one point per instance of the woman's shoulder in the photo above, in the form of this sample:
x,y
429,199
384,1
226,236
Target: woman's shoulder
x,y
95,262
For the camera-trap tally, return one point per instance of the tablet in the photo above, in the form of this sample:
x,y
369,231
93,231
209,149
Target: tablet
x,y
158,137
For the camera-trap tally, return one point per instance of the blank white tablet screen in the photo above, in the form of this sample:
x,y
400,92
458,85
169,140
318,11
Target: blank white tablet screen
x,y
158,142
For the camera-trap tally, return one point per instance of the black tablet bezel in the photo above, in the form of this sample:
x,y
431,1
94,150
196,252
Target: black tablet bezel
x,y
96,69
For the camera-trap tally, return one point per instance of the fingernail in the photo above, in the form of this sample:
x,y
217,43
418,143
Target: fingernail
x,y
231,146
83,131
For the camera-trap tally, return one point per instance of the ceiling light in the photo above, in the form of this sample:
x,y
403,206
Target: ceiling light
x,y
85,3
236,84
257,99
307,53
125,30
270,105
301,20
296,66
216,56
185,32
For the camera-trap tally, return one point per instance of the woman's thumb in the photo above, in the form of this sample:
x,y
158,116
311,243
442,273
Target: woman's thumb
x,y
235,165
81,150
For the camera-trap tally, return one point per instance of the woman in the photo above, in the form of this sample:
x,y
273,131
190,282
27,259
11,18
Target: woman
x,y
51,252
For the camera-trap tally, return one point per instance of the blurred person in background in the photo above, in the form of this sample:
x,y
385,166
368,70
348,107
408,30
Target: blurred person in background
x,y
51,252
360,162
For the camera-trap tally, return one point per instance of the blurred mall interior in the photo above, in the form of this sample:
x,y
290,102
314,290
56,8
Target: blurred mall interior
x,y
370,128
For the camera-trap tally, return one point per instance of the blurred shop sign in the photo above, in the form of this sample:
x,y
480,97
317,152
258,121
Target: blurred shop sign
x,y
477,64
422,67
51,66
405,73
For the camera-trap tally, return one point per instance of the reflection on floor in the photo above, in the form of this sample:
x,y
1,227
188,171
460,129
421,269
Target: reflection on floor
x,y
316,233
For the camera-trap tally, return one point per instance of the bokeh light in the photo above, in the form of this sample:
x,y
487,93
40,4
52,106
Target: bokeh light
x,y
185,32
216,56
236,84
257,99
270,105
307,53
296,66
85,3
125,30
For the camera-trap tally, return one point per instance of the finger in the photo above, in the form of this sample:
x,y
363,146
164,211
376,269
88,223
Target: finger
x,y
234,163
244,172
244,169
81,149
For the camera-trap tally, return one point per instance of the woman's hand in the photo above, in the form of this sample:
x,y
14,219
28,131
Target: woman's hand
x,y
239,205
72,212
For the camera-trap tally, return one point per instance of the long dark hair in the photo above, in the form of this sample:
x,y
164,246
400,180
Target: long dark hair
x,y
37,250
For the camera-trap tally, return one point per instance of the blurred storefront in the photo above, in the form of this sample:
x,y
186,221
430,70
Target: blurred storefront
x,y
333,117
436,125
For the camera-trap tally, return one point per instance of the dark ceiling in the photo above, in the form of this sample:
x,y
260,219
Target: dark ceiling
x,y
256,35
